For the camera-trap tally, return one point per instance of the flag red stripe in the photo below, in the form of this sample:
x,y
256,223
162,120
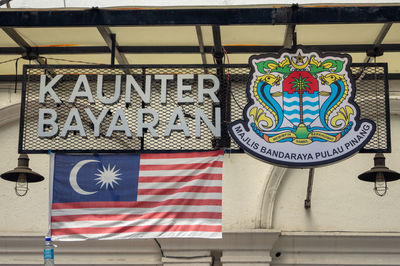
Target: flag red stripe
x,y
181,155
135,204
151,179
169,191
129,229
132,217
194,166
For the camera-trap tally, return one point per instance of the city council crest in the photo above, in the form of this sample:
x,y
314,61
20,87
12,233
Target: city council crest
x,y
301,110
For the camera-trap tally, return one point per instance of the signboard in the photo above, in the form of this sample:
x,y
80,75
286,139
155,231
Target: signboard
x,y
301,110
111,109
49,126
76,108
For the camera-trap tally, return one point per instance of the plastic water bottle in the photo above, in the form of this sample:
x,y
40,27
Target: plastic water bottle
x,y
48,252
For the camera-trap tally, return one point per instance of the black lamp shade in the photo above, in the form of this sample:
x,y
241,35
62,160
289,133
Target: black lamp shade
x,y
379,168
31,176
370,176
22,168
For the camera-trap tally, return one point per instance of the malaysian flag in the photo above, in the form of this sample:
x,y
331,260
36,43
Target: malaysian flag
x,y
125,196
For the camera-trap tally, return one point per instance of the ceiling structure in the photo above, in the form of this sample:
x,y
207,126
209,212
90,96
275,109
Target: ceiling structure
x,y
192,36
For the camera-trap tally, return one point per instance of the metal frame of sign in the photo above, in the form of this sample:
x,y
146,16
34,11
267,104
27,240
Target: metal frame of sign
x,y
225,74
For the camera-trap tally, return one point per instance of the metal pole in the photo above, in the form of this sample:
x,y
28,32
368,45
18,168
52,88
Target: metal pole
x,y
307,202
201,47
224,92
112,36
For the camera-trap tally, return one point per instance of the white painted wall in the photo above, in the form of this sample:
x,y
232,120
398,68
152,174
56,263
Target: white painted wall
x,y
243,181
22,215
8,95
340,201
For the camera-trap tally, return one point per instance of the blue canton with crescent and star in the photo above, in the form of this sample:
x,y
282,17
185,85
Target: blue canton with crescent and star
x,y
80,178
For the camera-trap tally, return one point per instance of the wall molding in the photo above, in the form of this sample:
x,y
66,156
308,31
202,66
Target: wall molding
x,y
9,114
238,248
267,202
337,248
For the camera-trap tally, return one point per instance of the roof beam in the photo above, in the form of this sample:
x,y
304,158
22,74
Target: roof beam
x,y
17,38
14,35
106,34
2,2
350,48
382,34
379,39
289,35
11,78
201,45
218,52
224,16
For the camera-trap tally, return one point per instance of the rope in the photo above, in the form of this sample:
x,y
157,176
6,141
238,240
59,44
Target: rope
x,y
73,61
10,60
229,80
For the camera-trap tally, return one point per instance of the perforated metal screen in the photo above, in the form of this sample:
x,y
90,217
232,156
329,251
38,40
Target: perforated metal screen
x,y
372,97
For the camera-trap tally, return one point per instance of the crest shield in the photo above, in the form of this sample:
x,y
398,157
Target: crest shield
x,y
300,98
301,110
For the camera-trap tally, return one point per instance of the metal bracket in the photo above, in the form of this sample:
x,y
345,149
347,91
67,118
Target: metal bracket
x,y
218,49
30,55
307,202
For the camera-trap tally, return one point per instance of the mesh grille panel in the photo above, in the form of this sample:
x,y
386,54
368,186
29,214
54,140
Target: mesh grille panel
x,y
373,99
118,142
371,81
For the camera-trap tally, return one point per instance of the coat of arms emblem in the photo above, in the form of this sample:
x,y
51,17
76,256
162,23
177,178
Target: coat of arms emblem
x,y
301,110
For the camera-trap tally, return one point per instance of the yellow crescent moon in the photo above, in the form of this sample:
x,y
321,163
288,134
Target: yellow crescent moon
x,y
301,67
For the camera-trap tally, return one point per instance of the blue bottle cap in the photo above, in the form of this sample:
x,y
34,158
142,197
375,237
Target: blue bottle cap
x,y
48,239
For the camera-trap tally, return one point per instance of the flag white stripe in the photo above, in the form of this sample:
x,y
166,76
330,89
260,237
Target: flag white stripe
x,y
296,98
292,116
184,172
180,160
310,115
182,195
310,99
175,234
291,99
175,185
311,108
304,116
138,222
290,108
168,208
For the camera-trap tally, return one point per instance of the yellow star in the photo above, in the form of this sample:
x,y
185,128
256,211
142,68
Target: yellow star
x,y
299,59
